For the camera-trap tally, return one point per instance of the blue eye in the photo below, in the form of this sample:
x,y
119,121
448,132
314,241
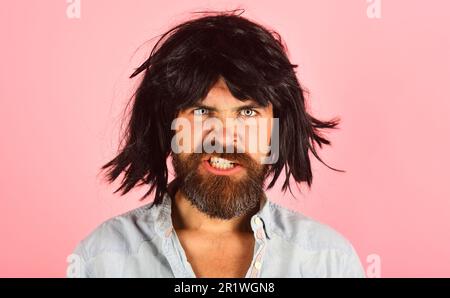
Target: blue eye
x,y
248,112
200,111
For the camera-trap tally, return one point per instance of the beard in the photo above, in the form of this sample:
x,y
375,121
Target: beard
x,y
220,196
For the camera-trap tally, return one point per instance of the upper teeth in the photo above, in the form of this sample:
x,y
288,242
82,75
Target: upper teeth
x,y
221,162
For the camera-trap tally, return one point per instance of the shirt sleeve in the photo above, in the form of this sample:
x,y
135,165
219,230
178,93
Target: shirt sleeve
x,y
77,265
351,266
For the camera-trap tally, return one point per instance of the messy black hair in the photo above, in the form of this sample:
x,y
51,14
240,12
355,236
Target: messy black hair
x,y
182,67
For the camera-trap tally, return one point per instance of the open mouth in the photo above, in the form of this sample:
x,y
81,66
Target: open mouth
x,y
221,166
221,163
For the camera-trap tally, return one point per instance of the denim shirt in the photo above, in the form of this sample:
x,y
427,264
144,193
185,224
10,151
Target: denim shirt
x,y
143,243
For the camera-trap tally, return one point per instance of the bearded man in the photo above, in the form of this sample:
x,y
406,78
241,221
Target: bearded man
x,y
214,218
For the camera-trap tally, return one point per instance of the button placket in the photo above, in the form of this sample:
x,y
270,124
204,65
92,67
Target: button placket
x,y
169,242
257,264
171,256
261,239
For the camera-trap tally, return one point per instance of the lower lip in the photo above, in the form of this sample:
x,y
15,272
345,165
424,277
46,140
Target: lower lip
x,y
215,171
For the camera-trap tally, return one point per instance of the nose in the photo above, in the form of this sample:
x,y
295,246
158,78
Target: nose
x,y
225,132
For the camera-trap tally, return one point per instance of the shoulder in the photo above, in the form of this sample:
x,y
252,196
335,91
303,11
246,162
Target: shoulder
x,y
120,234
325,251
309,233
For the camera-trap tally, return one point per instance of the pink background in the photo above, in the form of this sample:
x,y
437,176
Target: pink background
x,y
63,85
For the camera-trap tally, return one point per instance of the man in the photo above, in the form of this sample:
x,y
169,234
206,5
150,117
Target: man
x,y
218,73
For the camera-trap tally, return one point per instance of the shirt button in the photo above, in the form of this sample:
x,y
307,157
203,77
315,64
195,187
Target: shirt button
x,y
257,221
258,265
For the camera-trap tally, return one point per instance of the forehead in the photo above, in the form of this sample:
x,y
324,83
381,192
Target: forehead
x,y
220,94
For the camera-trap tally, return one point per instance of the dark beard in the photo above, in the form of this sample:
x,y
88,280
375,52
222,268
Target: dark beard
x,y
220,196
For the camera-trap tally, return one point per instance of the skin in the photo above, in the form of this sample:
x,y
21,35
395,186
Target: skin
x,y
217,247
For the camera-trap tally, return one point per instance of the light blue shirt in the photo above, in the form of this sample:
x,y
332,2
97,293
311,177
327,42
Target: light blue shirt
x,y
143,243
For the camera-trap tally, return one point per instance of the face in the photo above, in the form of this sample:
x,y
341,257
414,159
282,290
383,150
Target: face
x,y
227,182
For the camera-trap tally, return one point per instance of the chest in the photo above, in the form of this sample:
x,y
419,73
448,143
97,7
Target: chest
x,y
228,256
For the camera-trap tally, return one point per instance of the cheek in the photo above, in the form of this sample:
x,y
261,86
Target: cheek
x,y
268,129
264,137
255,156
189,133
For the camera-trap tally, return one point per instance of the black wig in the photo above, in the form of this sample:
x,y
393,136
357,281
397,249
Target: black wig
x,y
182,67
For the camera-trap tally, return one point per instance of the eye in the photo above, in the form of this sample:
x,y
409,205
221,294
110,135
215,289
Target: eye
x,y
248,112
200,111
